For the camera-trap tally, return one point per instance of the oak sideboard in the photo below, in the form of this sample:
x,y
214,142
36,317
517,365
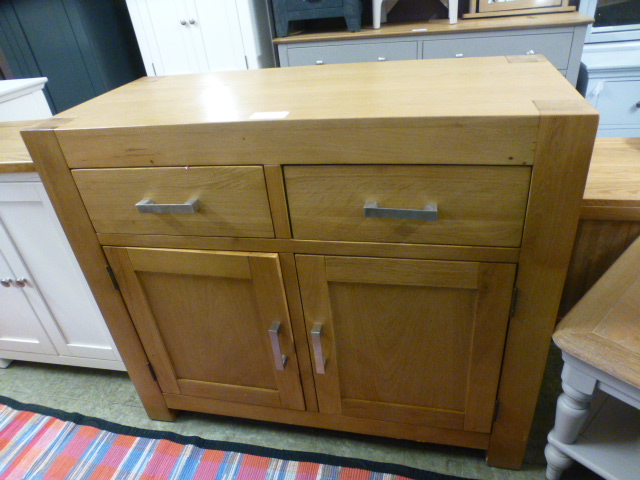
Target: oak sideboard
x,y
336,247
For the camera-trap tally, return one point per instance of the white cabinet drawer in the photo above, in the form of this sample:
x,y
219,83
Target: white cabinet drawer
x,y
555,46
617,103
363,52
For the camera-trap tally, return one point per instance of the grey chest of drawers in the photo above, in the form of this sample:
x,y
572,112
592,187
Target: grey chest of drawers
x,y
560,37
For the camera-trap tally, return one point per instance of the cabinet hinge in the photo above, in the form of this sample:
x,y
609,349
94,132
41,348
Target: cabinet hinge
x,y
153,372
514,302
113,278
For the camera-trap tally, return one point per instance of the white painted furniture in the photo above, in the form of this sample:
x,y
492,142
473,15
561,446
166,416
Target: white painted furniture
x,y
600,345
381,7
610,79
195,36
559,37
23,99
48,313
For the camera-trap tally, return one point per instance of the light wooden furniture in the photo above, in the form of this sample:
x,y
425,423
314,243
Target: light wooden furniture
x,y
298,273
496,8
557,36
48,313
601,350
193,36
609,216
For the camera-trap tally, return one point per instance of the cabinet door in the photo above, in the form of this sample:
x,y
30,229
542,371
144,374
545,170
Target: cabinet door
x,y
56,288
21,329
163,26
410,341
217,33
214,324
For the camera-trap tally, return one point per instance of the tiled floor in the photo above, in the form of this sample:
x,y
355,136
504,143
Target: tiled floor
x,y
111,396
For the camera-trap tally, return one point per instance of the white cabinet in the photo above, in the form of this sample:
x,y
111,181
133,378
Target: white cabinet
x,y
48,313
23,99
195,36
610,80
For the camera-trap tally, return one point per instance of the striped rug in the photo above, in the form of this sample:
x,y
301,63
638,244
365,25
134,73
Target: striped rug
x,y
39,443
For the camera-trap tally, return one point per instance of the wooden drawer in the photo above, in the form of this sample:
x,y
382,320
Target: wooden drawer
x,y
232,200
293,5
477,205
352,53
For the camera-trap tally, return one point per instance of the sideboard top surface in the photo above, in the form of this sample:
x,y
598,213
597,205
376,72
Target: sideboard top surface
x,y
469,89
442,26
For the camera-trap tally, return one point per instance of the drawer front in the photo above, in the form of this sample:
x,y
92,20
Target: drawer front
x,y
366,52
294,5
232,201
476,205
618,103
555,46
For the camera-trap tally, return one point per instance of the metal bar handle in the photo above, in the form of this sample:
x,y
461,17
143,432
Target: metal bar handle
x,y
316,340
147,206
429,213
280,359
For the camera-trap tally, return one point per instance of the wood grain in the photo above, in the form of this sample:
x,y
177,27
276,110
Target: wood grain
x,y
14,156
566,138
277,200
485,206
50,163
233,200
602,329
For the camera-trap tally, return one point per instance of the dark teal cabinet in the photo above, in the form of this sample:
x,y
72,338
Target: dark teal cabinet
x,y
84,47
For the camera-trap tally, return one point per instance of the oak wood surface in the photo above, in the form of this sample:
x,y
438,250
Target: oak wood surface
x,y
207,119
50,163
233,200
609,217
376,249
484,206
204,318
435,27
387,322
603,328
14,156
566,137
367,426
277,200
351,114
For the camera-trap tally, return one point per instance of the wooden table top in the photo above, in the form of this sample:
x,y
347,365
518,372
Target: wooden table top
x,y
613,186
603,329
467,89
14,157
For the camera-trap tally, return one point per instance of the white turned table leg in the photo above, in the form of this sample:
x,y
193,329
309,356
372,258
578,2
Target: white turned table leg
x,y
557,462
572,411
377,9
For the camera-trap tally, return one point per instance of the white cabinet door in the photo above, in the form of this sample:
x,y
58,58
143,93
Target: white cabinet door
x,y
20,327
218,32
35,247
195,36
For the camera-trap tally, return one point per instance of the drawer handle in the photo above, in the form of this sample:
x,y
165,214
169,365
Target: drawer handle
x,y
430,212
147,206
637,104
319,62
316,340
280,359
531,52
6,282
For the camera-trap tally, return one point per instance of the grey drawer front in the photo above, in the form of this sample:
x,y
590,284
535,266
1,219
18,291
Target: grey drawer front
x,y
555,46
617,103
293,5
365,52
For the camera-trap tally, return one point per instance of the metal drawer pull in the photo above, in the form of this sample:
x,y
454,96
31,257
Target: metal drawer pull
x,y
6,282
21,282
319,62
638,105
147,206
316,340
280,359
430,212
531,52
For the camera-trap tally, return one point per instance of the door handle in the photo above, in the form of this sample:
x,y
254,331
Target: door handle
x,y
279,358
316,340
